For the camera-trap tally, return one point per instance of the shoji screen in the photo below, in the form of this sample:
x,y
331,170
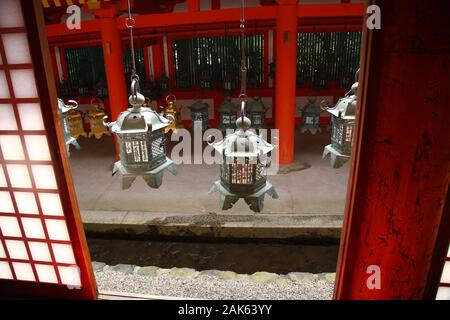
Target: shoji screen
x,y
444,286
43,251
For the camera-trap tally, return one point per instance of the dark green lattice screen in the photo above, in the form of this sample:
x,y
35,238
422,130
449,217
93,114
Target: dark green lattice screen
x,y
218,58
324,57
85,67
140,65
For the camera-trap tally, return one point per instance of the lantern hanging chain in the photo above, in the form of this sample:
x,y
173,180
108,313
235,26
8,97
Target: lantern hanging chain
x,y
129,23
243,94
243,57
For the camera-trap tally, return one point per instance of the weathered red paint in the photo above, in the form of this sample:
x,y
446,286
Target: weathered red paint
x,y
400,169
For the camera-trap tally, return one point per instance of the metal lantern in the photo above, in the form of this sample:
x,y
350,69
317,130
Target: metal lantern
x,y
98,129
101,89
228,84
200,115
206,82
228,115
311,117
63,113
172,112
140,133
256,111
245,157
342,123
164,83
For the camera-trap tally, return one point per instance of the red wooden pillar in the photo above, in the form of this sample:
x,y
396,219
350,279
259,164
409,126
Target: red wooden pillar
x,y
286,55
158,58
400,170
215,4
114,69
193,5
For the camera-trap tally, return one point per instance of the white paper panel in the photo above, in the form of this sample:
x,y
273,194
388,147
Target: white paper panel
x,y
46,273
18,175
30,116
2,251
10,227
44,176
57,229
23,83
6,204
70,276
26,202
23,271
16,48
50,204
10,14
16,249
33,228
37,148
7,118
2,179
5,270
63,253
4,89
39,251
12,148
446,273
443,293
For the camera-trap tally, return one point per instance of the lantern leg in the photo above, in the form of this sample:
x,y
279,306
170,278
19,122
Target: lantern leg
x,y
337,159
213,188
76,145
154,180
256,204
173,169
227,201
127,181
273,193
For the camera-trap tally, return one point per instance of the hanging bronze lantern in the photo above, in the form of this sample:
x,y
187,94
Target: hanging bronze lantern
x,y
311,117
141,139
75,120
200,115
98,129
245,157
228,115
63,113
256,111
172,113
342,127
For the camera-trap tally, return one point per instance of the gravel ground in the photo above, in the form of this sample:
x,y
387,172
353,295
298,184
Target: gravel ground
x,y
214,284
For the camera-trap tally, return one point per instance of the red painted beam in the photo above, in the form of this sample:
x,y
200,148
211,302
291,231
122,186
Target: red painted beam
x,y
400,170
200,17
57,30
330,10
307,11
